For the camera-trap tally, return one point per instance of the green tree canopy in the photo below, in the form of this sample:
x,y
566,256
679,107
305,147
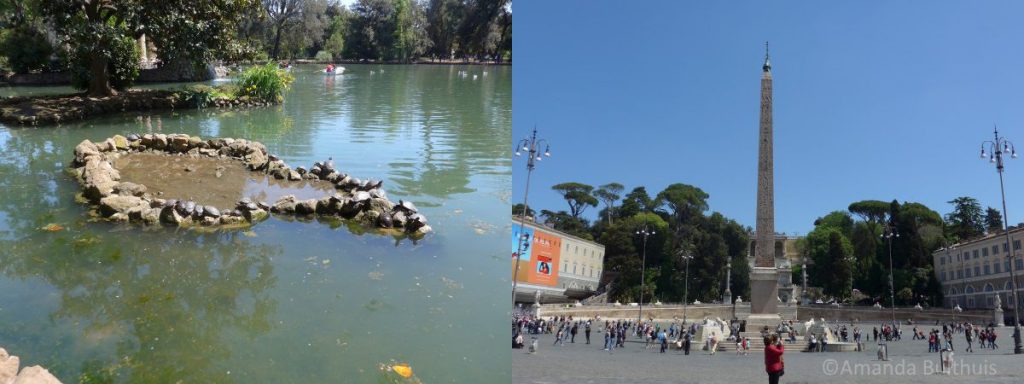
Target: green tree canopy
x,y
966,220
577,195
103,31
609,194
993,220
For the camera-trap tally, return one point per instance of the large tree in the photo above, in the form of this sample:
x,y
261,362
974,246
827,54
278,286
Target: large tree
x,y
966,220
102,33
993,220
609,194
577,195
517,210
832,254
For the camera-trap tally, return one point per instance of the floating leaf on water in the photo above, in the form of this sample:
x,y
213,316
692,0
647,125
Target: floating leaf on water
x,y
326,261
376,275
52,227
402,370
249,234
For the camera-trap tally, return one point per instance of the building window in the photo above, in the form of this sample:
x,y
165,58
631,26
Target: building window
x,y
960,274
942,260
988,271
975,253
574,268
1016,245
1006,265
1020,264
566,267
977,270
1005,249
984,251
995,249
942,277
968,272
996,266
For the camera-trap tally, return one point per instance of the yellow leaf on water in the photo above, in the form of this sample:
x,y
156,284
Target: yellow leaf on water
x,y
52,227
402,370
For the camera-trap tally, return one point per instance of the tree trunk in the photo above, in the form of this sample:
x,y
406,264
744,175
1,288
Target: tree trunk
x,y
99,83
277,41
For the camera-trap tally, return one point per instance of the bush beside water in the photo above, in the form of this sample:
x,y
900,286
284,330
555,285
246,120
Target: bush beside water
x,y
264,82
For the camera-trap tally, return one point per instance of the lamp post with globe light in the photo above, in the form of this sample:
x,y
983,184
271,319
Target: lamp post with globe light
x,y
531,147
889,233
996,149
645,232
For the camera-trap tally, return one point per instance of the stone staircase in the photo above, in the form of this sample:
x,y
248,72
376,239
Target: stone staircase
x,y
757,343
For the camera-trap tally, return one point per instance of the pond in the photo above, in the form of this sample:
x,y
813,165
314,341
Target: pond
x,y
286,301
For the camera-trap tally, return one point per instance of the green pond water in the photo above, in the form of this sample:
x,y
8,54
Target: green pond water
x,y
287,301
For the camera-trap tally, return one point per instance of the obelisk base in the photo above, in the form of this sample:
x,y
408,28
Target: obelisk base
x,y
764,299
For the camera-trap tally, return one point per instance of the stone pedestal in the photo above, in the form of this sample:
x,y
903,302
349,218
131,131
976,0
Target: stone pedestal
x,y
764,299
764,291
997,317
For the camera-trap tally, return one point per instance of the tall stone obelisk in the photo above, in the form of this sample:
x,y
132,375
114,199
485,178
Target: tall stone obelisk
x,y
764,277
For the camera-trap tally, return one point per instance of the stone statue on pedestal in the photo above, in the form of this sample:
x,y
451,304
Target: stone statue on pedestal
x,y
997,312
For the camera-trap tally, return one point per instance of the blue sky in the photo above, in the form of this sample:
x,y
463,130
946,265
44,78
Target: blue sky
x,y
873,100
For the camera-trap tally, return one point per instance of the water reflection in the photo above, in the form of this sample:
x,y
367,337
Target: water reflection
x,y
91,299
155,308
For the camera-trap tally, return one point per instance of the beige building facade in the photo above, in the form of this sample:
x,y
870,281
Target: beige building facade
x,y
972,273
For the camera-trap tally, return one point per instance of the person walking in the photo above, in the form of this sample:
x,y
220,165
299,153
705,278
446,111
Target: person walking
x,y
663,340
609,337
970,339
575,329
686,343
773,362
586,331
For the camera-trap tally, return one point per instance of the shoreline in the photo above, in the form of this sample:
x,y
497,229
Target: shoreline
x,y
55,109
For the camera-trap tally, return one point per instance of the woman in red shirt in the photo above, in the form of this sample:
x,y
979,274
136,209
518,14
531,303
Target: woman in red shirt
x,y
773,363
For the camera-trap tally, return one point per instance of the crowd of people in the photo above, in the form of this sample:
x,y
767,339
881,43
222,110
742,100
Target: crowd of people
x,y
943,339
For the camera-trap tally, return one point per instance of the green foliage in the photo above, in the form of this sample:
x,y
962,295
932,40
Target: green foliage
x,y
683,200
324,56
517,210
874,211
636,201
265,82
101,31
965,222
121,55
609,194
832,254
577,195
202,96
836,219
26,49
993,220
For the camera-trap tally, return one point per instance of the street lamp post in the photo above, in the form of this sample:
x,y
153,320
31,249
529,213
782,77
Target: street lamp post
x,y
803,272
686,284
728,282
995,155
889,233
530,146
643,269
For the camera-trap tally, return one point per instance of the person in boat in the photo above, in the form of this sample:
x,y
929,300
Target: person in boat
x,y
330,68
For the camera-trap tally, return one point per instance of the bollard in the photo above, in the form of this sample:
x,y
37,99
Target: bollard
x,y
946,360
883,351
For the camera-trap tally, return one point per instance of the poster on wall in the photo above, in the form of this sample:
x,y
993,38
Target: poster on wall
x,y
522,243
544,259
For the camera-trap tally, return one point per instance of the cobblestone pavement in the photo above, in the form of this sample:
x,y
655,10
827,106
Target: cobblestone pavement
x,y
909,362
